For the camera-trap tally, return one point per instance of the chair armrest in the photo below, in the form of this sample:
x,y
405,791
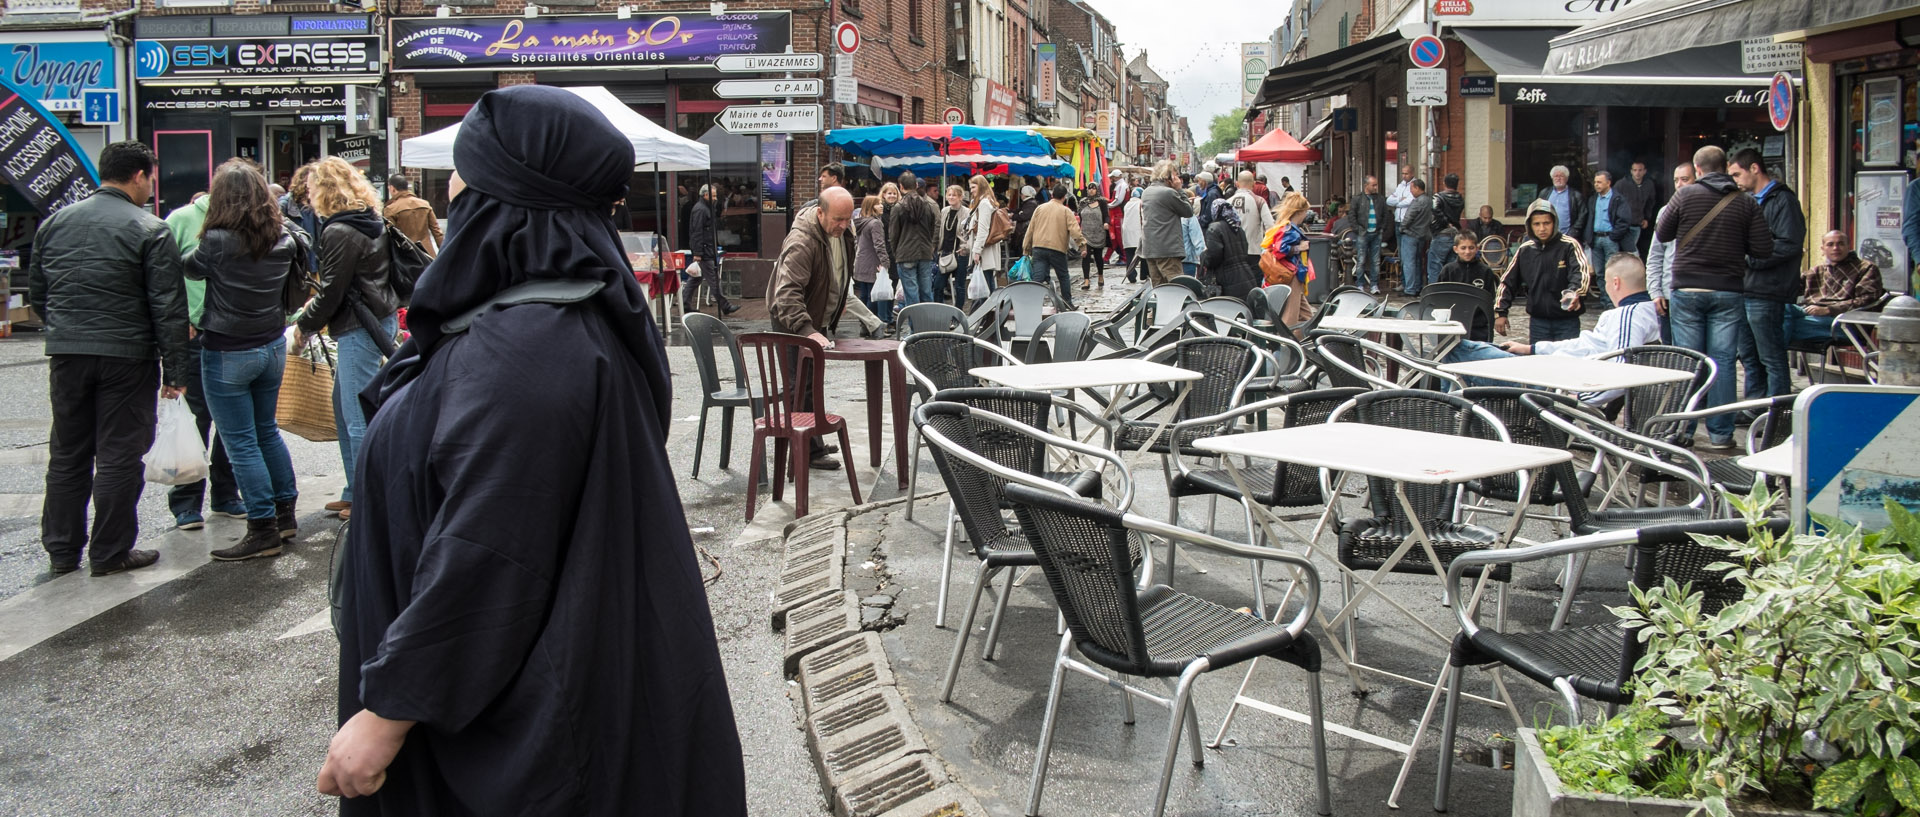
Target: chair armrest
x,y
1756,404
954,449
1510,556
1310,575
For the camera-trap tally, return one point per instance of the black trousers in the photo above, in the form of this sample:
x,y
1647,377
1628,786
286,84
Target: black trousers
x,y
182,499
709,278
103,422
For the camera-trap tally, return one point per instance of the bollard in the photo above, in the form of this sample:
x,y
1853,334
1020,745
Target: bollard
x,y
1899,332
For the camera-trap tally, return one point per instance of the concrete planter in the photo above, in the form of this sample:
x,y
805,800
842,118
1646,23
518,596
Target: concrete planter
x,y
1537,793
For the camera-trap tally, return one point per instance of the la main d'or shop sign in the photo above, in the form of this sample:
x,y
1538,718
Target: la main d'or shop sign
x,y
585,40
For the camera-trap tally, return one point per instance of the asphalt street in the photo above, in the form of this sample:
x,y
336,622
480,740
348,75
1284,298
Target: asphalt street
x,y
212,691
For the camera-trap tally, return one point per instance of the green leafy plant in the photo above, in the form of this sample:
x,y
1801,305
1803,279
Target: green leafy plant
x,y
1802,692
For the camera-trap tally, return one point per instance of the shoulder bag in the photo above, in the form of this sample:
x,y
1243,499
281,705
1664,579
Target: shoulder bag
x,y
1702,223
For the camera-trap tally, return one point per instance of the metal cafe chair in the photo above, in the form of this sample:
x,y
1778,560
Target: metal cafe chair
x,y
1596,661
980,452
1086,551
942,360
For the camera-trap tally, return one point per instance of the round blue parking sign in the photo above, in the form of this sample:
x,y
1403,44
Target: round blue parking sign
x,y
1780,101
1427,51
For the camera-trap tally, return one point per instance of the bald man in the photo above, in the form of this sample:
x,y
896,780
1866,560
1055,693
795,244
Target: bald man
x,y
1256,218
808,292
1842,284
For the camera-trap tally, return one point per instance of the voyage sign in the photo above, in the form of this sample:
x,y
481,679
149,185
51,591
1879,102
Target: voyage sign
x,y
58,74
586,40
39,157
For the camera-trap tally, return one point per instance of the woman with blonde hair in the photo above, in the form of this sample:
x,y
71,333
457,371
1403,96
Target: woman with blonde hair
x,y
989,259
353,275
1287,243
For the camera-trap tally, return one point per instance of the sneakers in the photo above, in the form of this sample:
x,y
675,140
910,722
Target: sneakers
x,y
1714,444
131,560
191,520
337,507
263,539
283,517
233,511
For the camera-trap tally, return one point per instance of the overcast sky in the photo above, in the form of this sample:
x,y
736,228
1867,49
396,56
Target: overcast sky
x,y
1198,55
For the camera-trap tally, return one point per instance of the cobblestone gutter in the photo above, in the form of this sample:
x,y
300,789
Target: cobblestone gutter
x,y
834,599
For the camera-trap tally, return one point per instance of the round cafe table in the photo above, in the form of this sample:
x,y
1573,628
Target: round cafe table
x,y
878,354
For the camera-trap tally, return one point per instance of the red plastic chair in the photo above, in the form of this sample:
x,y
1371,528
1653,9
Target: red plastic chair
x,y
792,372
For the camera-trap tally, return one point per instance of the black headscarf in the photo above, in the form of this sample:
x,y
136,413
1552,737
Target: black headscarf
x,y
543,169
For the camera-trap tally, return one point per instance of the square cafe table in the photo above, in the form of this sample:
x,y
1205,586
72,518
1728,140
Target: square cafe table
x,y
1114,373
1405,457
1566,373
1776,461
1450,332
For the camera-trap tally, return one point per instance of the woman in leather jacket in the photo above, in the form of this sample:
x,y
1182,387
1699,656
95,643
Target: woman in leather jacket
x,y
353,273
246,253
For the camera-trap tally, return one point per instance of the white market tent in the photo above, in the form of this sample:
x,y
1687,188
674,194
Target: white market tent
x,y
654,148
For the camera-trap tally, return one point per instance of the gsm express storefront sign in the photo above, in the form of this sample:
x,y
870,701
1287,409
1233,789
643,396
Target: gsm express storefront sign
x,y
265,56
586,40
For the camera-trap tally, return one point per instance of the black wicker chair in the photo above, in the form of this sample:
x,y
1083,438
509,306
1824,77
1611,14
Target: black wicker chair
x,y
1226,366
1645,403
1360,362
1772,428
1287,373
1285,486
936,361
1085,551
1368,543
979,452
1594,662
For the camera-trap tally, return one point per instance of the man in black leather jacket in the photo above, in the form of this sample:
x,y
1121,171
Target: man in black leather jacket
x,y
105,277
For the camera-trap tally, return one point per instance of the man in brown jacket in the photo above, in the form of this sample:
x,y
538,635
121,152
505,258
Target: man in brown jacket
x,y
412,215
808,292
1052,233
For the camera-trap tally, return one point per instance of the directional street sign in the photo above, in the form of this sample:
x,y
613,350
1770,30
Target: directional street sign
x,y
757,63
746,119
1427,51
1426,87
765,88
100,108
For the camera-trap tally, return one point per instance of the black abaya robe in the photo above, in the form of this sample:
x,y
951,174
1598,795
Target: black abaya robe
x,y
520,579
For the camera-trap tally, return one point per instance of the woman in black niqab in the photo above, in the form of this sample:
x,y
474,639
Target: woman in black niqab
x,y
522,607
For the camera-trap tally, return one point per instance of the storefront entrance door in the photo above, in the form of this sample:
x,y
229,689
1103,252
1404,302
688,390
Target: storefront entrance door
x,y
186,166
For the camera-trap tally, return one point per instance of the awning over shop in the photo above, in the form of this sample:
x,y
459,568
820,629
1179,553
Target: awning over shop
x,y
1319,129
1278,146
1650,28
1706,77
1327,74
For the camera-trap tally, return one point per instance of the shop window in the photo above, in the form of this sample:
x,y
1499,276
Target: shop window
x,y
853,116
1541,138
735,175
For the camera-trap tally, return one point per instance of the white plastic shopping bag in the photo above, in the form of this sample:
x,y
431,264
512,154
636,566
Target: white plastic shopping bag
x,y
694,271
882,287
177,456
977,285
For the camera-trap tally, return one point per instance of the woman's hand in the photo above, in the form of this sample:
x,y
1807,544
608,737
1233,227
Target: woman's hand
x,y
357,759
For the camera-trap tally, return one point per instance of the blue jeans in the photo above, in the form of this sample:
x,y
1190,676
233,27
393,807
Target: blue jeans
x,y
1366,260
1468,350
1603,248
1799,326
1766,325
1042,265
906,288
1712,323
357,360
243,392
1412,264
1539,329
917,277
1439,251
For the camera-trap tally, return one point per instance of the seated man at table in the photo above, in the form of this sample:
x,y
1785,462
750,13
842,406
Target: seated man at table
x,y
1633,322
1843,284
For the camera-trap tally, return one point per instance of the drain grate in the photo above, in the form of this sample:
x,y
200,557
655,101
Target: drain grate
x,y
841,653
819,623
866,749
864,708
889,787
947,801
824,690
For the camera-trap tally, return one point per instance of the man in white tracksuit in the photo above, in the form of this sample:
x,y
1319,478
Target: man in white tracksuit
x,y
1635,321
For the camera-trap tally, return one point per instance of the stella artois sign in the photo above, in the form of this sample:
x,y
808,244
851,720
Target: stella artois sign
x,y
1452,8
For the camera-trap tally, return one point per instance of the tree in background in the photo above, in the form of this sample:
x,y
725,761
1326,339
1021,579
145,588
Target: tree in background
x,y
1224,131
